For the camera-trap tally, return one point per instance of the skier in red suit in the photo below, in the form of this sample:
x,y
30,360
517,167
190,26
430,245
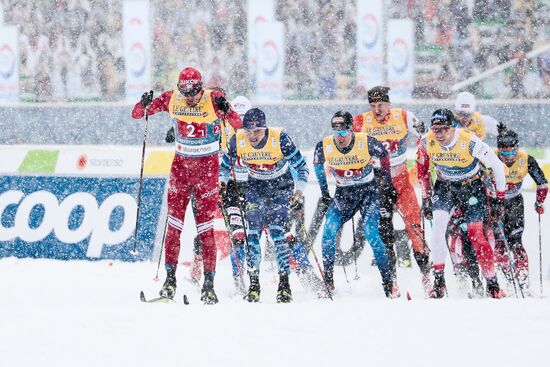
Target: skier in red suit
x,y
198,115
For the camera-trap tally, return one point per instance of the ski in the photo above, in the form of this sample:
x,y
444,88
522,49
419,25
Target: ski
x,y
161,299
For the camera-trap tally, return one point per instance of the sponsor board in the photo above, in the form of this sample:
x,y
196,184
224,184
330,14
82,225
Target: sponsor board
x,y
78,217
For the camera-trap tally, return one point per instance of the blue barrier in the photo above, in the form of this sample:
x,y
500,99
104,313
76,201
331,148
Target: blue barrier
x,y
83,218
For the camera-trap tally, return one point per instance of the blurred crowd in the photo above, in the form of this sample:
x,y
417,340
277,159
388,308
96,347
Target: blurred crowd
x,y
72,49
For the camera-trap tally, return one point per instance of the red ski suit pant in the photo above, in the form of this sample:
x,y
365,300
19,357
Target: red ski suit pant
x,y
407,205
188,176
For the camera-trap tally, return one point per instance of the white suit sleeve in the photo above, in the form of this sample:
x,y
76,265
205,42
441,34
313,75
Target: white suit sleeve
x,y
486,155
490,125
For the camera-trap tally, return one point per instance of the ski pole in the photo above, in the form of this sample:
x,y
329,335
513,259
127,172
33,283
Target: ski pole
x,y
310,247
161,248
510,261
540,256
354,249
134,251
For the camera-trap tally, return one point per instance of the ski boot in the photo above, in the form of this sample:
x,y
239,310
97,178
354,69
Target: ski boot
x,y
439,289
329,280
477,288
168,289
391,290
493,289
284,294
253,294
208,295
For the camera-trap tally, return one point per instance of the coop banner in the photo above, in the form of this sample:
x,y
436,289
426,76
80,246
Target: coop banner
x,y
400,43
82,218
9,64
137,48
271,57
370,43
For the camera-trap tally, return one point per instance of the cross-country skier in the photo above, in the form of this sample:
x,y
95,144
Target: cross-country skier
x,y
233,199
455,154
349,155
468,118
392,127
517,165
268,153
196,113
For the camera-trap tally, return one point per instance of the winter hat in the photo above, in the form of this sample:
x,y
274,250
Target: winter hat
x,y
241,104
378,94
465,102
254,118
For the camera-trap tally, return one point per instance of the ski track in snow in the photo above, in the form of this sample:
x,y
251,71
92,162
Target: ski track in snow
x,y
78,313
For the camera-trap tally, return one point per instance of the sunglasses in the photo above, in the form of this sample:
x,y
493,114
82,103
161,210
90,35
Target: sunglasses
x,y
340,132
190,92
439,130
510,153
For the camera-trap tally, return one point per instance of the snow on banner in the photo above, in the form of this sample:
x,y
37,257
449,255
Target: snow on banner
x,y
78,217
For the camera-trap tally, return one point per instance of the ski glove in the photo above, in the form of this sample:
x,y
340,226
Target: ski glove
x,y
497,206
222,189
326,199
170,135
146,98
542,191
427,208
297,201
222,104
539,208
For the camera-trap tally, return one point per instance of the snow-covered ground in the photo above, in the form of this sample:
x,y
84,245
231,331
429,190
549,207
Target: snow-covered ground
x,y
55,313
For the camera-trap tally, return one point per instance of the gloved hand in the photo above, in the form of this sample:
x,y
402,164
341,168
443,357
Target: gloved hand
x,y
297,201
542,191
222,104
222,187
170,135
326,199
539,207
497,206
427,208
419,126
146,98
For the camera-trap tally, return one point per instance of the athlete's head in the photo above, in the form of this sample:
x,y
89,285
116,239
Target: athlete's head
x,y
254,125
465,106
507,143
241,104
442,125
190,85
379,102
342,123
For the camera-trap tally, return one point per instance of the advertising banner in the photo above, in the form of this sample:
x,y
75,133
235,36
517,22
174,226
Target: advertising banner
x,y
271,62
370,43
400,41
9,64
82,218
259,13
136,34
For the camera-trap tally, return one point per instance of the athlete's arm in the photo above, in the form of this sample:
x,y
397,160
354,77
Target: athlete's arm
x,y
538,176
158,104
319,168
228,160
376,149
231,116
485,154
490,125
423,169
297,162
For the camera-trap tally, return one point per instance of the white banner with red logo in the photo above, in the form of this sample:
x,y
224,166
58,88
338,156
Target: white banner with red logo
x,y
260,13
400,44
271,62
370,43
137,48
9,64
